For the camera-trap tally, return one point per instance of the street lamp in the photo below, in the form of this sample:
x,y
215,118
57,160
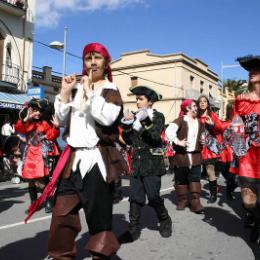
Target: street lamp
x,y
62,46
225,66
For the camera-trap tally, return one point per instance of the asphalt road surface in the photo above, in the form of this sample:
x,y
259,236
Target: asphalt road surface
x,y
219,234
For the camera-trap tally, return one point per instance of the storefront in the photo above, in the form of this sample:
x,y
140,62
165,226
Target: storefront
x,y
10,105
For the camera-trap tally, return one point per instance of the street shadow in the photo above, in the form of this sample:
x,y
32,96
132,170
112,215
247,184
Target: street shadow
x,y
119,226
8,197
172,196
30,248
5,205
35,248
12,192
148,220
230,224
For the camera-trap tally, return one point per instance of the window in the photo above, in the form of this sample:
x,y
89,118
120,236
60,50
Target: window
x,y
8,55
134,81
191,81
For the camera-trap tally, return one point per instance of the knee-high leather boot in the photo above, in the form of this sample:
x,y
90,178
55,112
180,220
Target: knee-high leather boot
x,y
62,235
102,245
165,227
213,188
65,226
231,186
134,218
195,190
32,193
182,200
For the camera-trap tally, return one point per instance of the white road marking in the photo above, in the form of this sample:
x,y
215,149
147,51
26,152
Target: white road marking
x,y
48,217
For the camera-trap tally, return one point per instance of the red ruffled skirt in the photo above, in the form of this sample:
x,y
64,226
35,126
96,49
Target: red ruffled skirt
x,y
249,164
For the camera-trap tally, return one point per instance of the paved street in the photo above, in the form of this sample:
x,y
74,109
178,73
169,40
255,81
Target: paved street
x,y
217,235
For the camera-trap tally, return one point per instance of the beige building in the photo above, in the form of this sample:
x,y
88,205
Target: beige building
x,y
16,43
175,76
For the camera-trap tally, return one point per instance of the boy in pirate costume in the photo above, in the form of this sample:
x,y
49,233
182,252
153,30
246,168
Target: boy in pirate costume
x,y
91,115
142,130
185,135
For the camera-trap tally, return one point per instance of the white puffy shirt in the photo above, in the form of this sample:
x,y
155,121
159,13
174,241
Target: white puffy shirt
x,y
193,128
82,133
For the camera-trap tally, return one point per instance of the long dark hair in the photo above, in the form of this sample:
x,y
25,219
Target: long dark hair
x,y
200,112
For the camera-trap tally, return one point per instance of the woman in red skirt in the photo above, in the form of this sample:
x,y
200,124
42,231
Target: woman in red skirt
x,y
40,136
247,107
211,151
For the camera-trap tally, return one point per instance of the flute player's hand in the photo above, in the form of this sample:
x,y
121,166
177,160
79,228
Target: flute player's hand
x,y
68,83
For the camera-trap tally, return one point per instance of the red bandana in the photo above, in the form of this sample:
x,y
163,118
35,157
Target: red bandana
x,y
97,47
184,105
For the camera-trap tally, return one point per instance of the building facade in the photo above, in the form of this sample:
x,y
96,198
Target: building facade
x,y
175,76
48,80
16,44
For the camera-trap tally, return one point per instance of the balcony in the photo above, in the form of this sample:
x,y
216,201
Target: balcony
x,y
9,76
14,7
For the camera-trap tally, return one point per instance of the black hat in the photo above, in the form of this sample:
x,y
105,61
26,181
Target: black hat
x,y
250,62
146,91
35,103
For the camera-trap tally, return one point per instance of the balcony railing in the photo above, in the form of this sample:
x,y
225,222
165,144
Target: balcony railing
x,y
15,7
9,73
17,3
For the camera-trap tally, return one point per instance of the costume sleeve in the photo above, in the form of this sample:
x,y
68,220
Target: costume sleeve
x,y
105,113
24,128
51,132
171,132
153,129
219,125
62,111
127,130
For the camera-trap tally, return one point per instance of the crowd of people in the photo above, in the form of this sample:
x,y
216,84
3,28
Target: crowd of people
x,y
97,130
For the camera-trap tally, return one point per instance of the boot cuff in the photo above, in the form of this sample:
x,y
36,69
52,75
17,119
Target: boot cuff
x,y
103,243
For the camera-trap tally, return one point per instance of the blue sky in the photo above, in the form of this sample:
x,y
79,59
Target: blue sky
x,y
214,31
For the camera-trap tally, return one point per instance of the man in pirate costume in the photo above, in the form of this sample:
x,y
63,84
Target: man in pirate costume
x,y
91,111
185,135
142,130
247,107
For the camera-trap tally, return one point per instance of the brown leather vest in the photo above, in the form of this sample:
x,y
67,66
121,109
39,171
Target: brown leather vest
x,y
181,158
108,135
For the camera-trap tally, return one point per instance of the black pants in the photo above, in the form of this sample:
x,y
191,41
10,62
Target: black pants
x,y
95,198
147,185
185,175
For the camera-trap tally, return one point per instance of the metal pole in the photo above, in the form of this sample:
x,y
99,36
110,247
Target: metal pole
x,y
222,89
64,52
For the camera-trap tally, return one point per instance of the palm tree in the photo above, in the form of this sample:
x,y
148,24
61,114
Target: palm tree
x,y
235,86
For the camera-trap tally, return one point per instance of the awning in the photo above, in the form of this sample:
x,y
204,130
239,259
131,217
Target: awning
x,y
13,101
